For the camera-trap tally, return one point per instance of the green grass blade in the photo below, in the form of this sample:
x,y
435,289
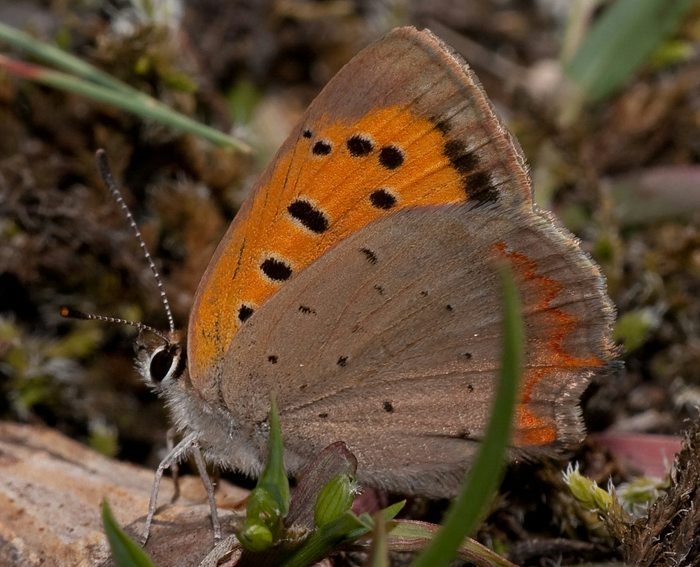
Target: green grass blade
x,y
390,512
125,551
51,55
274,476
83,78
482,480
378,551
623,39
136,103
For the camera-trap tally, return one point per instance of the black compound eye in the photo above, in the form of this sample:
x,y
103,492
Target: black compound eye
x,y
163,363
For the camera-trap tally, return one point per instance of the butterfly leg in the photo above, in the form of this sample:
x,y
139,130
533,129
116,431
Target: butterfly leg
x,y
174,468
173,456
209,487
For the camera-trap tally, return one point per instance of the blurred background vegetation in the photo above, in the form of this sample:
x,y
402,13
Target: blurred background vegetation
x,y
604,97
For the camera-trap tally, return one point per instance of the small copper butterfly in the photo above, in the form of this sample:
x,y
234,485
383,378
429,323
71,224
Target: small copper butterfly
x,y
358,283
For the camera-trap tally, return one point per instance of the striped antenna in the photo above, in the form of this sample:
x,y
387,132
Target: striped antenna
x,y
106,175
70,313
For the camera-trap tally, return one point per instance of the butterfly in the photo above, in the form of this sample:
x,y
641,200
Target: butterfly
x,y
359,285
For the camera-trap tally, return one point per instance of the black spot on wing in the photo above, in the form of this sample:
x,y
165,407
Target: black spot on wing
x,y
382,199
244,312
463,161
370,255
391,157
309,216
481,189
359,146
276,270
306,310
442,124
476,181
321,148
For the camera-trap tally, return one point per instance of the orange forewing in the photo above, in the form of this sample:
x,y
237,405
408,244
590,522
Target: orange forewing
x,y
425,177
